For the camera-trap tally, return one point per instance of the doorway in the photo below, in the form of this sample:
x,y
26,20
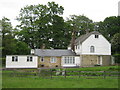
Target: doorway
x,y
99,60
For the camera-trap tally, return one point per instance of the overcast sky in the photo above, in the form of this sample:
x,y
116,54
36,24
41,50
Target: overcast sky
x,y
97,10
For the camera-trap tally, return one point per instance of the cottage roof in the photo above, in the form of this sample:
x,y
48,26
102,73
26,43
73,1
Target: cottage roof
x,y
85,36
54,52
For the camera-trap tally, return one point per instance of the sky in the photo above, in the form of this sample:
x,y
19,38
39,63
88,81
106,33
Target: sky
x,y
97,10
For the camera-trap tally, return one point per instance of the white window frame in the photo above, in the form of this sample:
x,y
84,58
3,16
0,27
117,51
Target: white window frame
x,y
69,60
53,59
29,58
15,59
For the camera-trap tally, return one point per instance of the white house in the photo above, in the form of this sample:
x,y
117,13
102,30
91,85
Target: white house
x,y
90,49
21,61
93,48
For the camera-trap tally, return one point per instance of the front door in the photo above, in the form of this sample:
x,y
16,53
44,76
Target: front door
x,y
100,60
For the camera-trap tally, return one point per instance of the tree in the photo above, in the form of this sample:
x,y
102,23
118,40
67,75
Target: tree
x,y
9,42
109,27
80,24
22,48
115,41
43,24
6,29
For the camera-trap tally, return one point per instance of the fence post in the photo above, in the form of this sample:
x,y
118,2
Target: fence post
x,y
51,73
104,74
39,70
65,73
79,73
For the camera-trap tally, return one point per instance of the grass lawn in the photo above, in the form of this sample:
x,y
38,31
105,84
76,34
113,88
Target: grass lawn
x,y
29,82
19,82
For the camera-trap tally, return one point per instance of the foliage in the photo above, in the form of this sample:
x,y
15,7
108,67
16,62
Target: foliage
x,y
109,26
22,48
80,24
10,45
115,41
7,38
117,58
43,24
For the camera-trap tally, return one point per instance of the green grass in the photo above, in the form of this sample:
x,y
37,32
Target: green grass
x,y
36,82
16,82
97,68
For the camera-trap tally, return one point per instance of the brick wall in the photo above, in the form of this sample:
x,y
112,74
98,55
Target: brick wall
x,y
47,63
91,60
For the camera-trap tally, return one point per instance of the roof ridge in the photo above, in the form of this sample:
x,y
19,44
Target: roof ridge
x,y
51,49
85,36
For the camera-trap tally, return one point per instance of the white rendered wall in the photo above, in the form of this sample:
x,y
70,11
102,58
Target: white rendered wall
x,y
102,46
22,62
78,51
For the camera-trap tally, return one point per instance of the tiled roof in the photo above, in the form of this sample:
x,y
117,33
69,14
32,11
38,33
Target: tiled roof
x,y
54,52
85,36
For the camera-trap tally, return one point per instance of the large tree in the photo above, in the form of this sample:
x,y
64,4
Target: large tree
x,y
7,38
42,24
115,41
80,24
10,44
109,27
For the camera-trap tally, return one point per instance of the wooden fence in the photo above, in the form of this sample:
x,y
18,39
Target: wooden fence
x,y
50,73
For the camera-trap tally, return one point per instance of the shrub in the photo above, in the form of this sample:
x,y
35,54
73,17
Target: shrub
x,y
117,58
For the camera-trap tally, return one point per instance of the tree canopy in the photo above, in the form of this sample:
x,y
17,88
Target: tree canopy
x,y
10,44
43,24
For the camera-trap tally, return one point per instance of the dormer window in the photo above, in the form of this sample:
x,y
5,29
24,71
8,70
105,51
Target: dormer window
x,y
96,36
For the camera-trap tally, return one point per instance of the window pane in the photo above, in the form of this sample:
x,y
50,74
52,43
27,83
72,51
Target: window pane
x,y
31,58
65,60
92,49
96,36
13,58
73,60
53,60
16,58
27,58
70,60
42,59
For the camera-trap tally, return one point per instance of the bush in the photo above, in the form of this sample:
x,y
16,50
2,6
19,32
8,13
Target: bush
x,y
117,58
